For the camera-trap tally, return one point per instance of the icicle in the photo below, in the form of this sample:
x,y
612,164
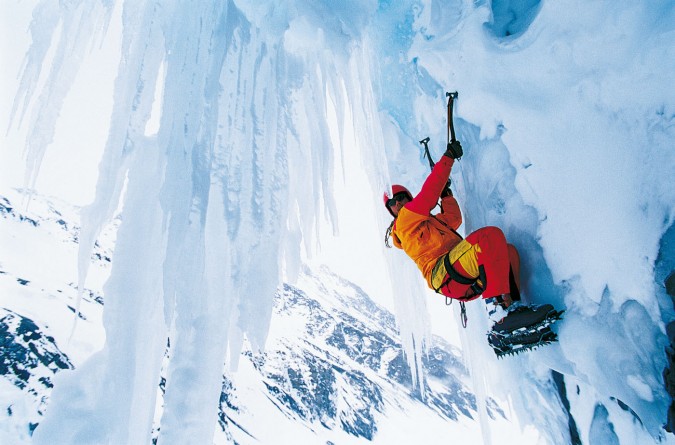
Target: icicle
x,y
42,29
76,23
130,308
134,96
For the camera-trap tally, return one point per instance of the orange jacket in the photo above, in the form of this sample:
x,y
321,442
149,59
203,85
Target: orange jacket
x,y
425,237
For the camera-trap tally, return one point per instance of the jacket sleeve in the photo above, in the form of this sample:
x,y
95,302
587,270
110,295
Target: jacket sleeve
x,y
427,198
450,212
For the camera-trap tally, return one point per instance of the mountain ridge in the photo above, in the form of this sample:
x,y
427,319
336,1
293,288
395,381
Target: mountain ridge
x,y
333,367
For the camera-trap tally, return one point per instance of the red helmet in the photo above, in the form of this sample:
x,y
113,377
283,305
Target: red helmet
x,y
395,190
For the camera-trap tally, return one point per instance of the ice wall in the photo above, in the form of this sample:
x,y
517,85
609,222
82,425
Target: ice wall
x,y
567,121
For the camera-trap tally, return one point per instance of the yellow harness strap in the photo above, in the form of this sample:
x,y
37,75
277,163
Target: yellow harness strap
x,y
465,253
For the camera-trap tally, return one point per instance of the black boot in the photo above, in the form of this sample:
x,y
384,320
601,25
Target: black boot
x,y
520,316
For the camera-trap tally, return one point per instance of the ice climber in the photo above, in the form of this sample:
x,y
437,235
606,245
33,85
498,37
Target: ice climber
x,y
481,265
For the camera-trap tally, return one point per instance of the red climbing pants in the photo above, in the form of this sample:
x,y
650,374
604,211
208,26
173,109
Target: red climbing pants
x,y
485,248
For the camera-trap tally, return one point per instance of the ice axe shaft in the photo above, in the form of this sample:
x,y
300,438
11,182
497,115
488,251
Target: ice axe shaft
x,y
451,128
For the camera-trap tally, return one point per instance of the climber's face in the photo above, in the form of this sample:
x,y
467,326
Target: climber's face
x,y
396,203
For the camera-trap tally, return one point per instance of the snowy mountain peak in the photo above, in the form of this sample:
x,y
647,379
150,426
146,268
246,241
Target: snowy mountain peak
x,y
333,369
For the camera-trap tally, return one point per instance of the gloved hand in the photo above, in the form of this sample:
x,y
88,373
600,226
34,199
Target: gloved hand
x,y
454,150
446,191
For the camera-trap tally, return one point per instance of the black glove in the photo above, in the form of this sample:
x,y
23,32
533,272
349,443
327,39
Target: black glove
x,y
446,191
454,150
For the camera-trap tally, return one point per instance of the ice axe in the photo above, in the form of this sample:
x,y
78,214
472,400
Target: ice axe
x,y
427,155
425,141
451,131
455,149
451,128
